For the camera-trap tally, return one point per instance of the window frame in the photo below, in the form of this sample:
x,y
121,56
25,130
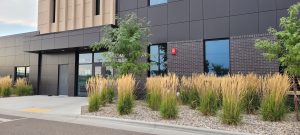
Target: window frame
x,y
149,3
149,59
26,73
204,52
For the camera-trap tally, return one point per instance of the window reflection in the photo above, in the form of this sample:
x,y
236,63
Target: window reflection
x,y
158,59
84,73
85,58
22,72
217,57
156,2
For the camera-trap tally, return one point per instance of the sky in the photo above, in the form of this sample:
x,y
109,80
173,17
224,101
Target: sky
x,y
18,16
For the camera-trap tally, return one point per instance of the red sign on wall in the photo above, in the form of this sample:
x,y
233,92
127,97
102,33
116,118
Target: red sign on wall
x,y
174,51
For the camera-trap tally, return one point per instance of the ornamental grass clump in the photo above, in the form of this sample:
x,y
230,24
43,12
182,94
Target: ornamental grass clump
x,y
232,93
186,86
22,87
93,89
169,105
154,92
100,92
252,95
5,86
273,106
194,98
126,86
209,95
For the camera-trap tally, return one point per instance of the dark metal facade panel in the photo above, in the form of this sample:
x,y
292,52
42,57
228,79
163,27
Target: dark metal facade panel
x,y
216,28
238,7
215,8
266,5
196,30
244,24
179,11
267,20
196,10
178,31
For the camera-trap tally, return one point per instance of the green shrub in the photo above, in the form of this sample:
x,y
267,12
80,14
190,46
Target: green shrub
x,y
194,99
251,101
272,111
209,102
168,108
126,85
94,102
22,88
106,96
24,91
186,87
125,104
273,106
154,100
184,97
110,95
5,92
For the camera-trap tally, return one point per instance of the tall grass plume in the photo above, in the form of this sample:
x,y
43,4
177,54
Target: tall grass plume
x,y
126,86
23,88
273,106
252,95
169,105
154,92
5,86
232,93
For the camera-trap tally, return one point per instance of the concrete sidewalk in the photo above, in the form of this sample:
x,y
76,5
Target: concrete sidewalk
x,y
58,105
67,110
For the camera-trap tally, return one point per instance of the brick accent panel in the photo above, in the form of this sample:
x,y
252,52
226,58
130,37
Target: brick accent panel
x,y
245,58
189,58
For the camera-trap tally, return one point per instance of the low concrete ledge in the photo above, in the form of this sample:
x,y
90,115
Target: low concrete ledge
x,y
163,126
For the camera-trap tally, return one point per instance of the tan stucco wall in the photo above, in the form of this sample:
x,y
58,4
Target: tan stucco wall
x,y
74,14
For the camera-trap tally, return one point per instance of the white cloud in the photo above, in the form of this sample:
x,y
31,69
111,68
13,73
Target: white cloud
x,y
19,12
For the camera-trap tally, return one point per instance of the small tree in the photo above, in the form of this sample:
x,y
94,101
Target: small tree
x,y
286,48
126,45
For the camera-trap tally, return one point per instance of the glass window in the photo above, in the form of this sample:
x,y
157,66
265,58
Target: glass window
x,y
97,7
22,72
53,11
84,73
156,2
217,57
99,57
158,59
85,58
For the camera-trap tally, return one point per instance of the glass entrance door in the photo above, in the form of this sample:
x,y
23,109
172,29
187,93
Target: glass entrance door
x,y
90,64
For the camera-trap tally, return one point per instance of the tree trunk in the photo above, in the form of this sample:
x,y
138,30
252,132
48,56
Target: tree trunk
x,y
295,97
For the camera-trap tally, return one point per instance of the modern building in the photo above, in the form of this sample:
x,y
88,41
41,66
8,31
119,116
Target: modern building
x,y
188,36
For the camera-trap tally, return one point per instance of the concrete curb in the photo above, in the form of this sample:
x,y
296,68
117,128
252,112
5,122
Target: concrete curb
x,y
124,124
188,129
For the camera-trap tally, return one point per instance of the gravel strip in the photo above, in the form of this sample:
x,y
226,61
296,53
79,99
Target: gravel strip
x,y
188,117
